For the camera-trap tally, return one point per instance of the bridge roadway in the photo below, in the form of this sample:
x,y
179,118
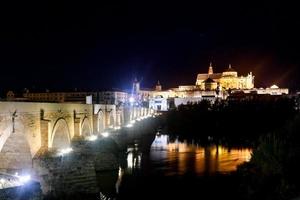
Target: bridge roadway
x,y
35,138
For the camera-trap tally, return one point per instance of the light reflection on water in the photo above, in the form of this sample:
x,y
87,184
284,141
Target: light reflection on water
x,y
171,158
133,159
179,158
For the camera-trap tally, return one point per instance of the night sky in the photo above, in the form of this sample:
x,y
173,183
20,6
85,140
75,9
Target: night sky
x,y
93,46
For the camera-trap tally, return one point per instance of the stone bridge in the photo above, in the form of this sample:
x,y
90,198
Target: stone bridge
x,y
31,129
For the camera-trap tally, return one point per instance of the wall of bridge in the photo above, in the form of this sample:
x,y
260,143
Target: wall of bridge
x,y
28,129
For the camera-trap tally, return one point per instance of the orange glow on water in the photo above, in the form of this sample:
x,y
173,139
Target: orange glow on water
x,y
183,158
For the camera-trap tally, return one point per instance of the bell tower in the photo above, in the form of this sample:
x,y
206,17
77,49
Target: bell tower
x,y
158,86
210,69
136,86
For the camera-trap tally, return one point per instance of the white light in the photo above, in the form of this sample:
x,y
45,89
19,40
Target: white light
x,y
129,125
132,122
105,134
130,160
117,127
24,179
2,180
92,138
65,151
131,99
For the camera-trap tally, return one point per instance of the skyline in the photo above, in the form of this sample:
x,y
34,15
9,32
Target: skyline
x,y
95,46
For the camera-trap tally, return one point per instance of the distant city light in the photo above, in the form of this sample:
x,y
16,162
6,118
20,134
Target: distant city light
x,y
105,134
129,125
117,128
131,99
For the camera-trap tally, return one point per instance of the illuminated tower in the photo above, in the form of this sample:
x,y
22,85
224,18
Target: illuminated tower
x,y
135,86
210,69
158,86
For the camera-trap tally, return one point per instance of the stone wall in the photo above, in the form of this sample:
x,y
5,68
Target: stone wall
x,y
28,129
22,125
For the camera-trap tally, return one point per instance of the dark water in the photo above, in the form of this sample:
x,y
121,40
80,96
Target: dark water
x,y
175,170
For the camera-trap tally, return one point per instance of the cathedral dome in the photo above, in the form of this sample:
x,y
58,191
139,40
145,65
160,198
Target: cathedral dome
x,y
230,72
274,87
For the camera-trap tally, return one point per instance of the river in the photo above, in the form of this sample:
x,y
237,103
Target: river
x,y
156,167
175,170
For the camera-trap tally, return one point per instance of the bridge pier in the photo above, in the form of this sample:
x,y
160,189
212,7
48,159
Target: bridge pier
x,y
96,124
45,128
76,127
76,172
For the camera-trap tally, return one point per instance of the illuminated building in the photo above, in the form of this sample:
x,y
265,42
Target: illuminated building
x,y
103,97
59,97
209,86
228,79
113,97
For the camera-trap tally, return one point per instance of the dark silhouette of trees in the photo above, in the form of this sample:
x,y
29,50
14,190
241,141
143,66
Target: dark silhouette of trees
x,y
238,121
274,169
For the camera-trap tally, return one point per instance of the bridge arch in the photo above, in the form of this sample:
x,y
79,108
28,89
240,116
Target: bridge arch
x,y
85,127
15,151
60,137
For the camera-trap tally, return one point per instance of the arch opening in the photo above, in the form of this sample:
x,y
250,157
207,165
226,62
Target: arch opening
x,y
60,135
85,128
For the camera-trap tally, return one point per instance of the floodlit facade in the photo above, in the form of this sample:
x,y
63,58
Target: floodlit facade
x,y
228,79
113,97
159,103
